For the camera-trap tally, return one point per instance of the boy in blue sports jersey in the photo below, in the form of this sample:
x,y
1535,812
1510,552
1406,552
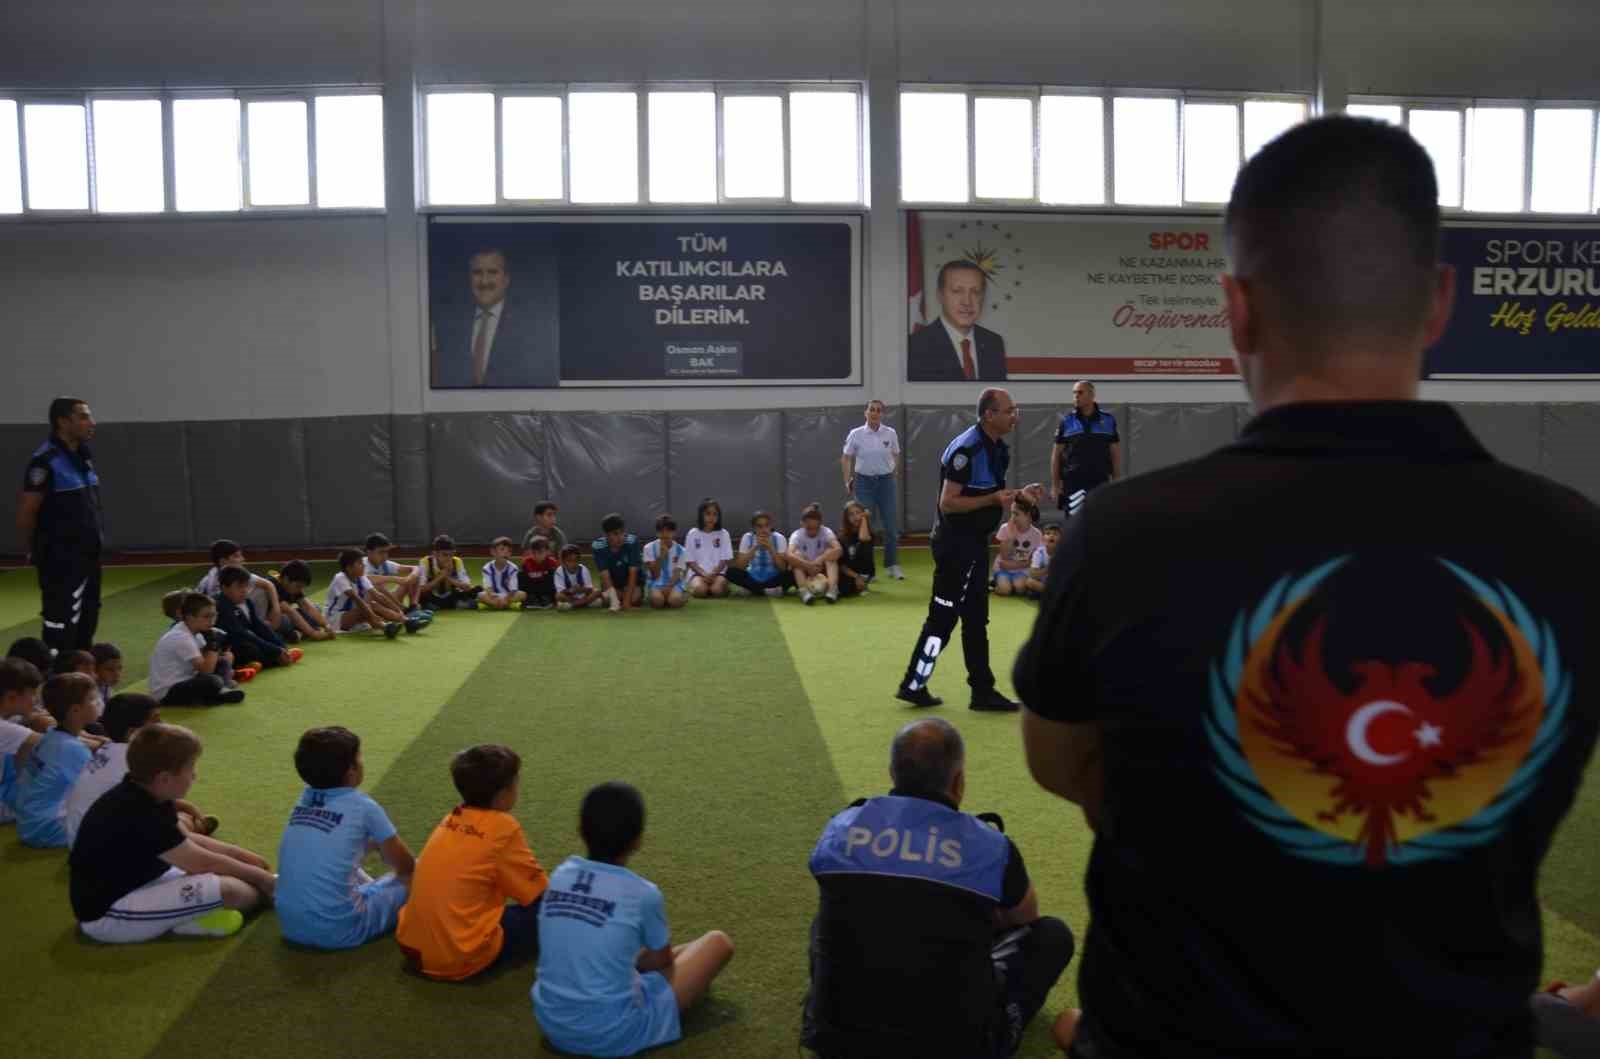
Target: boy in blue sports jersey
x,y
616,560
502,588
610,982
666,563
324,898
39,796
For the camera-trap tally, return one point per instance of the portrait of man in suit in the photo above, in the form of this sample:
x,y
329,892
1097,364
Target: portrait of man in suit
x,y
954,348
493,341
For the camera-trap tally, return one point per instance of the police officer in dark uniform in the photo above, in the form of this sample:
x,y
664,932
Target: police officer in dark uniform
x,y
928,940
59,523
973,501
1088,450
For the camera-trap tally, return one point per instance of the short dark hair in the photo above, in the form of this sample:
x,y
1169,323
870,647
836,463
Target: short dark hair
x,y
925,757
229,576
444,543
544,505
69,661
611,819
127,712
19,674
220,550
296,570
194,604
988,399
481,772
378,540
105,652
812,510
1050,527
876,401
158,748
64,691
569,549
63,408
1336,225
32,649
505,262
347,556
539,543
502,540
325,755
957,265
612,522
757,516
171,601
665,522
706,505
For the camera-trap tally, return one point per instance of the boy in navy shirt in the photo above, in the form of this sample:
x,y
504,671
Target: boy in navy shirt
x,y
248,635
44,780
610,982
324,898
617,558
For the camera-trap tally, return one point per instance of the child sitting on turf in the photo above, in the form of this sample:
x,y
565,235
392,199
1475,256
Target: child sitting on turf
x,y
22,725
33,650
501,589
125,715
1017,539
135,874
170,603
248,636
225,553
762,562
856,565
399,582
184,663
324,898
107,670
814,557
710,551
574,584
610,981
544,525
665,563
1039,564
457,922
40,794
616,558
538,575
444,578
72,661
304,615
354,605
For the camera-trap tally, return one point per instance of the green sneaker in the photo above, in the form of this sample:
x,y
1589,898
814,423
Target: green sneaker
x,y
219,924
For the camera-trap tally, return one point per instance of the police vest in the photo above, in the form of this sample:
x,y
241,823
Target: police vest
x,y
914,838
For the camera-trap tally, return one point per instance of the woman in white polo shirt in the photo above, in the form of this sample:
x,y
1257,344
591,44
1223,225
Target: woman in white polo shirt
x,y
710,551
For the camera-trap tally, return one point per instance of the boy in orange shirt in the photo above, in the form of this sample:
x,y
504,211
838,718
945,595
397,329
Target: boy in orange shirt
x,y
457,922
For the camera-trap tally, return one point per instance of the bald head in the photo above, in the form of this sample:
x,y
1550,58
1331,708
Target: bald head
x,y
927,758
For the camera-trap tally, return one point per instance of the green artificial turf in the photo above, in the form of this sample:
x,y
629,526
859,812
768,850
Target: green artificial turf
x,y
746,723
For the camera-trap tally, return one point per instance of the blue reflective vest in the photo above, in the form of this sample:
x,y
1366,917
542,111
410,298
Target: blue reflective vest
x,y
914,838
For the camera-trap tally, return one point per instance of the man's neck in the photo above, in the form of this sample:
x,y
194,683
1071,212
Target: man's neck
x,y
1356,388
1089,413
957,328
871,425
989,433
70,444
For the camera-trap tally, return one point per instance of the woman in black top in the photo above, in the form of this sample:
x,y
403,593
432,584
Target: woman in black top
x,y
856,566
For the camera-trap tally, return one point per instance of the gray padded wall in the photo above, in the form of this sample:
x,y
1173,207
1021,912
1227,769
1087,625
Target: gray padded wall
x,y
485,472
248,482
928,431
147,487
813,441
1570,438
1160,435
606,461
19,439
1031,445
736,457
408,436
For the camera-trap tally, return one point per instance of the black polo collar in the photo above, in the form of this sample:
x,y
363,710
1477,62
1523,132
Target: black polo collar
x,y
1364,430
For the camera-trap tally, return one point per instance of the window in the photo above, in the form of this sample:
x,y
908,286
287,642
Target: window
x,y
129,170
56,148
280,154
1496,159
1439,133
1563,147
1394,114
1081,147
349,146
624,145
205,142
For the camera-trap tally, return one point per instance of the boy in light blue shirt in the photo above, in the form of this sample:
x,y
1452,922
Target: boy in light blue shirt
x,y
597,993
39,796
324,899
667,567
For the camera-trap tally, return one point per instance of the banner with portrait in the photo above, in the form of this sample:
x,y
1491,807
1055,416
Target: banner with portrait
x,y
533,302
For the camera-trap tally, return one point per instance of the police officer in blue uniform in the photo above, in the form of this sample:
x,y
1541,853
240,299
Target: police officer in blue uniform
x,y
1088,450
973,501
928,940
60,525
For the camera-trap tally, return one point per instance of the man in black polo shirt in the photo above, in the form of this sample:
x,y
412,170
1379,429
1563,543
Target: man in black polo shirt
x,y
1088,450
58,521
929,941
1323,708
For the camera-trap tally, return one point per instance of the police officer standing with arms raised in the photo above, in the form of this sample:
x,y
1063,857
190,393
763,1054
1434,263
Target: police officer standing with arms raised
x,y
59,523
973,501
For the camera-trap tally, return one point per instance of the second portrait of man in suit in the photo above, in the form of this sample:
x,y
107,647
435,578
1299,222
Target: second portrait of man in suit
x,y
953,347
495,341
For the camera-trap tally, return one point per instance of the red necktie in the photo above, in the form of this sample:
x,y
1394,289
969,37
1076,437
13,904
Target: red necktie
x,y
968,368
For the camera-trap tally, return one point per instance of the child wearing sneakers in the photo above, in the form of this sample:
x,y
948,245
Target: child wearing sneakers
x,y
304,615
814,552
1039,564
457,921
39,796
501,589
538,575
610,980
225,553
250,638
617,560
184,664
135,874
1017,539
354,605
666,567
124,716
575,587
444,578
400,582
324,898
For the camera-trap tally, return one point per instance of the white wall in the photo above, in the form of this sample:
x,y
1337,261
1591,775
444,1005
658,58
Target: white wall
x,y
183,319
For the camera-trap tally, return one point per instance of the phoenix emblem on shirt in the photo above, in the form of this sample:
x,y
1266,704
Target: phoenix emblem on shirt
x,y
1380,765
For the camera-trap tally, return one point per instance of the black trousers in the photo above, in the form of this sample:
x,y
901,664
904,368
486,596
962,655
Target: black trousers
x,y
202,689
960,593
69,599
1075,489
450,597
741,577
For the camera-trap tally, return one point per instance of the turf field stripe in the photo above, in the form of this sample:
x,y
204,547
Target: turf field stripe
x,y
19,594
1572,951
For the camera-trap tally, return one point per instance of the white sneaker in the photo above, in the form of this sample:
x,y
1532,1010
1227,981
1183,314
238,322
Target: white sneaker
x,y
897,573
806,597
832,596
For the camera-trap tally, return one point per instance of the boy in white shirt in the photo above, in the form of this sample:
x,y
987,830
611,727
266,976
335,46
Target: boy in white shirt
x,y
355,605
814,552
262,591
575,587
1017,539
184,662
400,582
501,587
1039,565
710,551
665,564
